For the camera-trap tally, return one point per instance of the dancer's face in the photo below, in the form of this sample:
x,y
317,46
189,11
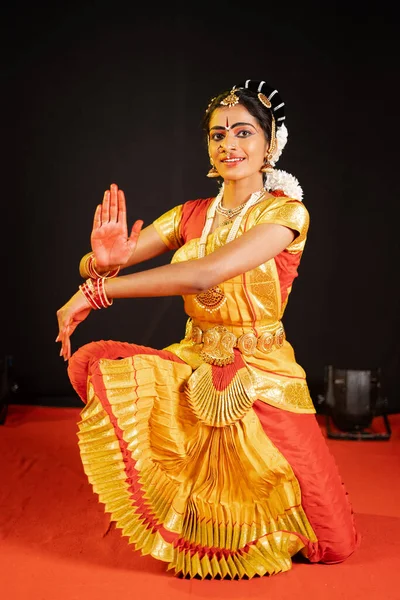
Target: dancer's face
x,y
236,143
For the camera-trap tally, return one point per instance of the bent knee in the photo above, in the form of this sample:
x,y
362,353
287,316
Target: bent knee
x,y
82,361
340,552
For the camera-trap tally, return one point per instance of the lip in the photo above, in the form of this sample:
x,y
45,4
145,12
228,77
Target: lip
x,y
232,161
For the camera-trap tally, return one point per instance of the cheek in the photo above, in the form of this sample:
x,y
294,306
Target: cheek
x,y
256,151
212,148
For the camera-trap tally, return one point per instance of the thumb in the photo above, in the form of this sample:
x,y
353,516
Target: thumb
x,y
137,226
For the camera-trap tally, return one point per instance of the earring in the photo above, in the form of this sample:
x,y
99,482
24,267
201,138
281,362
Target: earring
x,y
213,171
267,167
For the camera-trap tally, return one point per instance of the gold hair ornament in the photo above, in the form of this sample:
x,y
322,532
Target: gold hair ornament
x,y
231,99
210,103
264,100
267,167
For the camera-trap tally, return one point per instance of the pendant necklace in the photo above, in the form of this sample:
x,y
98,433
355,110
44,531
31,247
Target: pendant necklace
x,y
214,298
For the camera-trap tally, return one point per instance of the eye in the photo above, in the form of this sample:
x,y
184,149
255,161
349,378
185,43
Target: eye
x,y
243,133
216,136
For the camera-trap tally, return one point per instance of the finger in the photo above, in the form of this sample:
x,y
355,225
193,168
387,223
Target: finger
x,y
97,217
63,323
105,209
137,226
64,345
67,355
60,322
122,210
112,197
114,203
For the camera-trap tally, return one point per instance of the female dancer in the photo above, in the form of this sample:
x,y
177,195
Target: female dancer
x,y
207,454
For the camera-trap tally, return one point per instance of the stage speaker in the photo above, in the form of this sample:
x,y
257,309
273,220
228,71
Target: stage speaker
x,y
353,398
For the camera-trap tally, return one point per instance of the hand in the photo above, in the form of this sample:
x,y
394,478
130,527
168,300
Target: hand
x,y
69,316
110,243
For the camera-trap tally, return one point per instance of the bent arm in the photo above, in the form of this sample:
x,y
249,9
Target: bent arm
x,y
243,254
149,246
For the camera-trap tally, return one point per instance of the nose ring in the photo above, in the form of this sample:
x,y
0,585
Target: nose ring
x,y
231,146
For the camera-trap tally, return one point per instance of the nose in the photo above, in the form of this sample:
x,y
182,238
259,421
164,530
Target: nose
x,y
228,143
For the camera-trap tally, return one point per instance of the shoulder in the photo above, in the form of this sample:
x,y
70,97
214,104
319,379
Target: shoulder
x,y
194,207
279,207
286,211
193,218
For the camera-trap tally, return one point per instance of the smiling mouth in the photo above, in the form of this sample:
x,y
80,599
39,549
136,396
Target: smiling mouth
x,y
232,161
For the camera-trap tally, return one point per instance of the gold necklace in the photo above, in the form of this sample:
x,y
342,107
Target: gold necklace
x,y
228,213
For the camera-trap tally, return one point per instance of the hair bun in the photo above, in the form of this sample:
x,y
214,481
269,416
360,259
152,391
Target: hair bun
x,y
257,86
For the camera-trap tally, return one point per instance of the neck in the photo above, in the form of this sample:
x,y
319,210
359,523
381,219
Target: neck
x,y
238,192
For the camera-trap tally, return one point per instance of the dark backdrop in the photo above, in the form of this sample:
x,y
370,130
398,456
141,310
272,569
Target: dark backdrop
x,y
99,95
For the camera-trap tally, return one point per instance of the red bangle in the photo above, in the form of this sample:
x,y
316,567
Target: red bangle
x,y
95,293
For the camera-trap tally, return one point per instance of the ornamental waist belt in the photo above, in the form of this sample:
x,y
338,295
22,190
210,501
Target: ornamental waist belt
x,y
218,343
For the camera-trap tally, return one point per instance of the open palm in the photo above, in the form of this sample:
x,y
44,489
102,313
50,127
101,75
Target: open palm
x,y
109,238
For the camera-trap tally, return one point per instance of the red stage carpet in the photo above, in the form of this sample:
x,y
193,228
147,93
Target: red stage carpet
x,y
56,542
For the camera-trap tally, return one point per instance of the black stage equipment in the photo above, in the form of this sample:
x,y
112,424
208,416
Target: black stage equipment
x,y
353,398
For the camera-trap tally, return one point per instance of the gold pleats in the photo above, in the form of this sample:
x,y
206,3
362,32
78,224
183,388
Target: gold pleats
x,y
219,408
210,501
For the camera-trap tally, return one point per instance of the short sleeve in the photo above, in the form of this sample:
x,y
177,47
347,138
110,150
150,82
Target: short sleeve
x,y
292,214
168,227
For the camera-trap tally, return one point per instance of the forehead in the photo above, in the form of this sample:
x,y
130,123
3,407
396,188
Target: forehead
x,y
225,116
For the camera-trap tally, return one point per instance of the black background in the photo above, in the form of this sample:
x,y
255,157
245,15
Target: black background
x,y
94,95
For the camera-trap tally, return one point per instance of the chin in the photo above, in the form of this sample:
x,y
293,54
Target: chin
x,y
235,177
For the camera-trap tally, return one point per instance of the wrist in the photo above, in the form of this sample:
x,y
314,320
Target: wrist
x,y
95,293
89,268
109,288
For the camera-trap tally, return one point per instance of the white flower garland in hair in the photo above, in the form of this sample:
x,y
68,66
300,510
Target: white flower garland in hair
x,y
281,139
281,180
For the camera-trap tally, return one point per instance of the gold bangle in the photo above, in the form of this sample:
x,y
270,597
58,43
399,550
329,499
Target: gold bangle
x,y
94,273
87,268
83,265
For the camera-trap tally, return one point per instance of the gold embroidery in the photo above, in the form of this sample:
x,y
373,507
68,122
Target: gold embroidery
x,y
211,300
280,392
167,226
293,215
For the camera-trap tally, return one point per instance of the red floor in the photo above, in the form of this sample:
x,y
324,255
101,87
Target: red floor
x,y
56,543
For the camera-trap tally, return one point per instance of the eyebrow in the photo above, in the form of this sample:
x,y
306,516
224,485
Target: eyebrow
x,y
232,126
